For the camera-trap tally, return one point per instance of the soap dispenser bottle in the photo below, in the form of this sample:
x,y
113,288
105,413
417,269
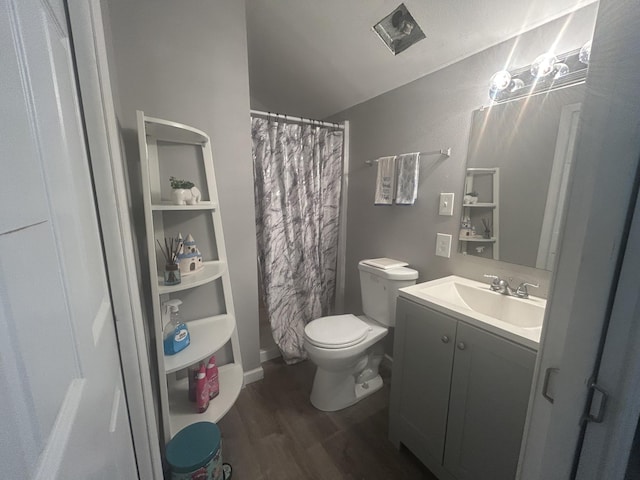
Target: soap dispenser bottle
x,y
176,334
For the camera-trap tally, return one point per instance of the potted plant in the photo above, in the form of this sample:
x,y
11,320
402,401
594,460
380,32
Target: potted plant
x,y
184,192
470,198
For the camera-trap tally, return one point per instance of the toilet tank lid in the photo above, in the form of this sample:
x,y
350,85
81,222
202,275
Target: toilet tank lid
x,y
384,263
398,272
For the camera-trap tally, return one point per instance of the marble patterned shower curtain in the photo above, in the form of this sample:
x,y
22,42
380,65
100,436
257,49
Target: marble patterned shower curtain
x,y
298,177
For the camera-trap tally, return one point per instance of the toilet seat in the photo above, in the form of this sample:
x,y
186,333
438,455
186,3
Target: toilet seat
x,y
336,331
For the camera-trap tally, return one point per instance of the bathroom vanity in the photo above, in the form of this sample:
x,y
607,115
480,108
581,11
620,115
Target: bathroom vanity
x,y
462,371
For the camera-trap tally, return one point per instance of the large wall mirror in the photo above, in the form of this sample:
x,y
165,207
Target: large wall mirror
x,y
518,167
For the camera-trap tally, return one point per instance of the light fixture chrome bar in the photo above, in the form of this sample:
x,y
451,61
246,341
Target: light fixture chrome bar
x,y
309,121
445,152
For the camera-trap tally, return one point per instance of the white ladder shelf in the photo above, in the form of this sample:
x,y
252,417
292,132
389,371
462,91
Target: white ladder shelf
x,y
217,329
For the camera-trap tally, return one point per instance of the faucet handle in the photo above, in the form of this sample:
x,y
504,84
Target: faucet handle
x,y
522,292
495,284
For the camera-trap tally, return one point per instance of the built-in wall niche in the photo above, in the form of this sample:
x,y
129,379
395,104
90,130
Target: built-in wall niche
x,y
530,141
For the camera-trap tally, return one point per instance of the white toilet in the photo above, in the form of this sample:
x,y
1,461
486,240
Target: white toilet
x,y
347,349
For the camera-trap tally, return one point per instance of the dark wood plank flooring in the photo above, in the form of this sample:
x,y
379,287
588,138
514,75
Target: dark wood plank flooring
x,y
273,432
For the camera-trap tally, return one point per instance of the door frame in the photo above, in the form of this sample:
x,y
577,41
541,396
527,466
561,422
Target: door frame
x,y
103,139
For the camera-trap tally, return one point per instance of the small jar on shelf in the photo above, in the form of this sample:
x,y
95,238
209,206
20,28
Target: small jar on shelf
x,y
172,274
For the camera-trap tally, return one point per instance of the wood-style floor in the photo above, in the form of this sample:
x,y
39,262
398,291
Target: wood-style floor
x,y
273,432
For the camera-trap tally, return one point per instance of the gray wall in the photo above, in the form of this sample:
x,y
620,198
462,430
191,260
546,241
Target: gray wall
x,y
187,61
430,113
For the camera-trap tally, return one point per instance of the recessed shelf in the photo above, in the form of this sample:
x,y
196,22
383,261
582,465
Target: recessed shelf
x,y
478,239
212,270
479,205
207,336
167,205
183,412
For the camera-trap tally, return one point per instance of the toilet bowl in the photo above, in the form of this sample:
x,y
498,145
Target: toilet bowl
x,y
346,348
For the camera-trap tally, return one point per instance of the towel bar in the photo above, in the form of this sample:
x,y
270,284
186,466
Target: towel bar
x,y
445,152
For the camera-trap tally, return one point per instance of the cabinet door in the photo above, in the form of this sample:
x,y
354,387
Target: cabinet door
x,y
423,359
489,396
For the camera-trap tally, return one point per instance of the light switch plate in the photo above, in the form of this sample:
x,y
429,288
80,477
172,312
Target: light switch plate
x,y
443,245
446,204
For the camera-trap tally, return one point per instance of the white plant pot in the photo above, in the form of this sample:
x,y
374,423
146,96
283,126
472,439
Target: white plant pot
x,y
182,196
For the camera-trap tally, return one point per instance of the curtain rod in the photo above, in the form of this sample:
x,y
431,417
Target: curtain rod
x,y
445,152
310,121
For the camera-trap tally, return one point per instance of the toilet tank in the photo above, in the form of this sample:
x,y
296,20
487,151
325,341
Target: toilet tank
x,y
380,279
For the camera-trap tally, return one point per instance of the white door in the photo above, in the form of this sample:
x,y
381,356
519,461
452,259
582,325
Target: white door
x,y
608,440
64,414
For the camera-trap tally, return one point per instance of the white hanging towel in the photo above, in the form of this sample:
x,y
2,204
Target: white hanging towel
x,y
408,174
386,180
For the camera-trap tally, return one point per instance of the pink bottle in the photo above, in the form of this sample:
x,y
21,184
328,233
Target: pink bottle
x,y
202,390
212,378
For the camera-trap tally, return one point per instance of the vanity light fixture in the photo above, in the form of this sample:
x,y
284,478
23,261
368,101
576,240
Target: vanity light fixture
x,y
399,30
543,65
585,53
548,71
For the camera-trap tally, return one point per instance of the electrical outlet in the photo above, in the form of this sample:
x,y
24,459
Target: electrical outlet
x,y
446,204
443,245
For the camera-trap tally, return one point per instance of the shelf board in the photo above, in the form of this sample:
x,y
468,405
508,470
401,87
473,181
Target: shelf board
x,y
479,205
174,132
212,270
207,336
478,239
183,412
167,205
482,171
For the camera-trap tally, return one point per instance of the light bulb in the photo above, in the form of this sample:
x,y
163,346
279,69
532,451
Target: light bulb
x,y
500,80
543,65
516,84
562,69
585,53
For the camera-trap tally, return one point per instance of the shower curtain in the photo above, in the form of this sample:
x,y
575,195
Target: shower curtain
x,y
298,177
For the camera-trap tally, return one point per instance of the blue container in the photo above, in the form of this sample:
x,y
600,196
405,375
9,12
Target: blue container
x,y
195,453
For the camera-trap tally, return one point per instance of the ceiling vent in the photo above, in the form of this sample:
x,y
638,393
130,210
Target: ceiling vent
x,y
399,30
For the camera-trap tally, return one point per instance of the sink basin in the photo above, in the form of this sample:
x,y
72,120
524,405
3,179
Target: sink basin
x,y
473,302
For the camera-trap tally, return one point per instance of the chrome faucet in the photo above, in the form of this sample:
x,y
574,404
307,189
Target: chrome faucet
x,y
502,286
499,285
521,291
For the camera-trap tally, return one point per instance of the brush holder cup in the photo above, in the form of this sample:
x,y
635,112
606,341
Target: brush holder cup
x,y
172,274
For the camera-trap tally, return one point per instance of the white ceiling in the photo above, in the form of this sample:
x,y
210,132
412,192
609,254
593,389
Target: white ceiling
x,y
314,58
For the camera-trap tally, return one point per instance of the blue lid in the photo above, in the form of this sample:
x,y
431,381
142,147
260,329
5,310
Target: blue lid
x,y
193,447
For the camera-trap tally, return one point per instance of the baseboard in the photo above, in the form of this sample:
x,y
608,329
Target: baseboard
x,y
270,353
253,375
387,361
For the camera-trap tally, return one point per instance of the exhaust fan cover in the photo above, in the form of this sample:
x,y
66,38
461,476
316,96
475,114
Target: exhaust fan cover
x,y
399,30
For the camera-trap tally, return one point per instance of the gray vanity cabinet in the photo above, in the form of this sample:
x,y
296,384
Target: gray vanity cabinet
x,y
422,365
458,403
489,396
